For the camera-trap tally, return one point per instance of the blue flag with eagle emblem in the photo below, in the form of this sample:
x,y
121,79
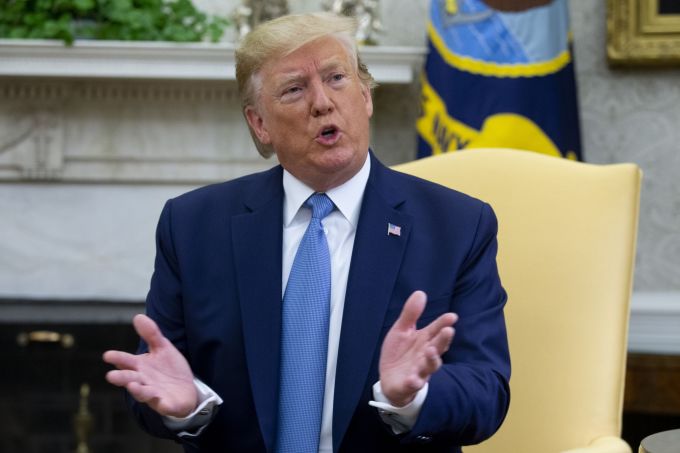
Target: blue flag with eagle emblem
x,y
499,74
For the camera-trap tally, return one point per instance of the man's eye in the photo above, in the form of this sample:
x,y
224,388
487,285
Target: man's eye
x,y
292,90
337,77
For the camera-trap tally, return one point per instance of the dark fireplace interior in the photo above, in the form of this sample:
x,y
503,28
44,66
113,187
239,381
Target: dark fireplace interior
x,y
40,391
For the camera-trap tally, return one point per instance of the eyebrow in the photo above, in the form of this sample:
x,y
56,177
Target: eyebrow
x,y
295,75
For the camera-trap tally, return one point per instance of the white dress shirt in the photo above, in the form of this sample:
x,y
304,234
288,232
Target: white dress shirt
x,y
340,228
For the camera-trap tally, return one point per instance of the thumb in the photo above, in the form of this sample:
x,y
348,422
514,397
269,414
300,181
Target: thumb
x,y
148,330
412,310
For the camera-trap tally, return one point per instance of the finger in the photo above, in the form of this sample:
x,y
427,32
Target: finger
x,y
121,360
446,320
122,378
149,331
443,340
412,310
431,363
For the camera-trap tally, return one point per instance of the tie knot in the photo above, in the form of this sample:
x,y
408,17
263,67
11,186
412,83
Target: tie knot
x,y
320,205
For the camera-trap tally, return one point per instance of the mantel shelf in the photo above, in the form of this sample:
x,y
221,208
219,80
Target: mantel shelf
x,y
170,61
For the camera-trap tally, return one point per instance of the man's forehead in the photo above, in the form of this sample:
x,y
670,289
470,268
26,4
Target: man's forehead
x,y
298,67
318,55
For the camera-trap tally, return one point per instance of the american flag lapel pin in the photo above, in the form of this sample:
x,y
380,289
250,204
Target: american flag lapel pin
x,y
393,230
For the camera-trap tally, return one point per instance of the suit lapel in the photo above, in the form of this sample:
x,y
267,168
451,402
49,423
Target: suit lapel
x,y
256,239
376,260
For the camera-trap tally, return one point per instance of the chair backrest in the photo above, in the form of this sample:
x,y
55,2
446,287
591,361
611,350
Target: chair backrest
x,y
567,234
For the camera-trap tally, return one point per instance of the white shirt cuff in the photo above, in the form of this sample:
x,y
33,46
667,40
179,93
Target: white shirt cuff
x,y
400,419
193,424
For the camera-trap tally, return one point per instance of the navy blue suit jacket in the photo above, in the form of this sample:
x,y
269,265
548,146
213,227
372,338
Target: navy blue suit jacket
x,y
216,294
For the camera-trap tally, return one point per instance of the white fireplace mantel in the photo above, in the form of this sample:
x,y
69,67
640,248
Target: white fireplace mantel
x,y
169,61
99,111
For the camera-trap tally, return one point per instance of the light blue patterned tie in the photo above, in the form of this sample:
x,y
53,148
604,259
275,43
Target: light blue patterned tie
x,y
304,338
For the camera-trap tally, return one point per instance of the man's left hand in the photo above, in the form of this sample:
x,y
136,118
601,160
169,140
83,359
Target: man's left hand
x,y
409,356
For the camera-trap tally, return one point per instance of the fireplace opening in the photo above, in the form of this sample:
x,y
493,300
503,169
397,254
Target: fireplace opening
x,y
54,395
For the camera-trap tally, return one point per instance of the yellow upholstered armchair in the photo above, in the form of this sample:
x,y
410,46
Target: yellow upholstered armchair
x,y
567,233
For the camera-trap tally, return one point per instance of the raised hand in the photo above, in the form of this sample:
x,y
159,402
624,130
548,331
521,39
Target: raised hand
x,y
160,378
409,356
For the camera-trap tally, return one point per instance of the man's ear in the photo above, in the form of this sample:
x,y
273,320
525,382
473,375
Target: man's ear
x,y
256,123
368,99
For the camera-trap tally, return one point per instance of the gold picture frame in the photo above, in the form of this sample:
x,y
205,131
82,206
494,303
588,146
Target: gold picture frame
x,y
641,33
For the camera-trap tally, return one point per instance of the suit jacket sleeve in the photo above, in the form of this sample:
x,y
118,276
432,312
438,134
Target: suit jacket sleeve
x,y
469,395
163,304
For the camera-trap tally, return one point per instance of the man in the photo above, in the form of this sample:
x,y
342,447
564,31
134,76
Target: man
x,y
227,322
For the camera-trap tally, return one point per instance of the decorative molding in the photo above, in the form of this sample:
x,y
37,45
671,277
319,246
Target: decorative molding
x,y
637,35
655,323
117,131
23,90
57,91
31,144
16,311
398,65
170,61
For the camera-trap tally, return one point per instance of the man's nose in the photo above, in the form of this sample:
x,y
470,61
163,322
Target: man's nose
x,y
321,103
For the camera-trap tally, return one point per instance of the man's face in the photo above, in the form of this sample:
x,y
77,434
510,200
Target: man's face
x,y
314,111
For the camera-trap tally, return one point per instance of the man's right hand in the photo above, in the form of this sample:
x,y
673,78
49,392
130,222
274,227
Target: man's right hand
x,y
161,378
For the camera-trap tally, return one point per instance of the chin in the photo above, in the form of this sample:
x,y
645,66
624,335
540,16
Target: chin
x,y
338,160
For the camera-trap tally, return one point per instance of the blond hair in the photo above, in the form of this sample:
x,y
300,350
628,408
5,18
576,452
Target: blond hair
x,y
283,36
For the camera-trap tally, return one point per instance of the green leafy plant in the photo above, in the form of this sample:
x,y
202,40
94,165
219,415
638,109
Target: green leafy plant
x,y
127,20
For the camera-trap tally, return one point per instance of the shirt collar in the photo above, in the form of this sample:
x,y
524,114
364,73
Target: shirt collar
x,y
346,197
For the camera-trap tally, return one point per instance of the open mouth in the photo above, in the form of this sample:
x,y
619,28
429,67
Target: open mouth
x,y
328,135
329,131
